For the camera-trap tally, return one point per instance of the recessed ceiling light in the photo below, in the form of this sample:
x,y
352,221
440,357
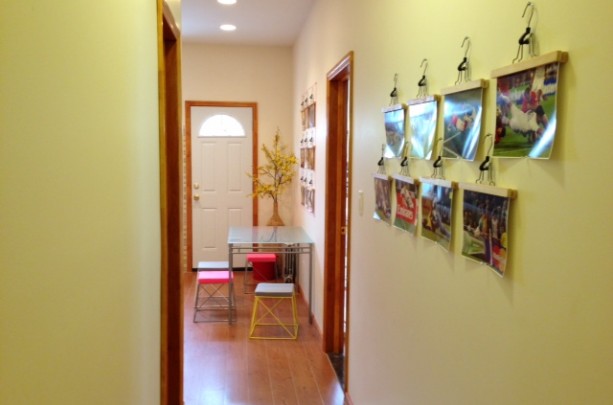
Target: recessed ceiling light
x,y
227,27
226,2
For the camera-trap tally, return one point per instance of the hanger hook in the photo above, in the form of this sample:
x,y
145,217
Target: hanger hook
x,y
426,67
467,42
489,149
531,12
394,93
485,165
422,82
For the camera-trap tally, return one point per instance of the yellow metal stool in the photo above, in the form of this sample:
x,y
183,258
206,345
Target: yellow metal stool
x,y
270,320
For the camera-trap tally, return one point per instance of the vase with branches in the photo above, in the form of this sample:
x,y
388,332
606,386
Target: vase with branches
x,y
273,177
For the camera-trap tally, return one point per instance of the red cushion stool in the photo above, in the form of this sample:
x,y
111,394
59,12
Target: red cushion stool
x,y
262,267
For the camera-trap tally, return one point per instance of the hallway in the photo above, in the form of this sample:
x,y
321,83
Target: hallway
x,y
223,367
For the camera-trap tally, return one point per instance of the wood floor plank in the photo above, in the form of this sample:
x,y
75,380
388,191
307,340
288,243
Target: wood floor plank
x,y
222,366
282,383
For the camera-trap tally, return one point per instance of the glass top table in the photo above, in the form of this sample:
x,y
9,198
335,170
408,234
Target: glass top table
x,y
272,239
268,234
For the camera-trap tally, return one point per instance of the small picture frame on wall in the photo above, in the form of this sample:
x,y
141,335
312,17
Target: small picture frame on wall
x,y
394,118
383,202
526,107
436,210
407,209
462,116
485,224
423,115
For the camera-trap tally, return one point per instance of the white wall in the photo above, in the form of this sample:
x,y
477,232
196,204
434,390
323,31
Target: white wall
x,y
426,325
79,198
248,74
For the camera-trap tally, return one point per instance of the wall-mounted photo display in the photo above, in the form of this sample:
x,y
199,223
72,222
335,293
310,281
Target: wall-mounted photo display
x,y
307,148
526,106
485,224
394,118
436,212
462,116
407,211
422,120
383,200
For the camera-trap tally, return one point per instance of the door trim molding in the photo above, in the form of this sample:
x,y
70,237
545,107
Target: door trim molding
x,y
338,190
188,163
171,293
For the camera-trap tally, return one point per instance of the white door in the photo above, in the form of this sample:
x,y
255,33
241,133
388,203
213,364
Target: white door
x,y
221,158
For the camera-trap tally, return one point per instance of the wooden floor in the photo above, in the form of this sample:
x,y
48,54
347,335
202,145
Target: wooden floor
x,y
222,366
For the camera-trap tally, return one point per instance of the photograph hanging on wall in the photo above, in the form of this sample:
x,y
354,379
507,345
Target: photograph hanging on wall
x,y
485,224
462,115
436,212
307,149
422,119
310,157
383,202
526,107
311,115
394,117
307,192
406,203
309,198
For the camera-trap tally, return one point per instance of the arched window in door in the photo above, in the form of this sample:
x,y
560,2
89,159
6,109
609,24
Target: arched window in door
x,y
221,125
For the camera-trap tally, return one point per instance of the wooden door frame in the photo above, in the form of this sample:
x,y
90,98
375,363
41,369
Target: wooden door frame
x,y
338,164
188,162
171,294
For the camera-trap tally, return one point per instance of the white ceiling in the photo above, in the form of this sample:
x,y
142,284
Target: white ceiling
x,y
259,22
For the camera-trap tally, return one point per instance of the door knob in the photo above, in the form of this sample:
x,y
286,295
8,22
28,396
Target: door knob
x,y
196,197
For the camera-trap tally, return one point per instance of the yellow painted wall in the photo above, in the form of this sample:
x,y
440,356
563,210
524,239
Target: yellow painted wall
x,y
426,325
79,203
246,73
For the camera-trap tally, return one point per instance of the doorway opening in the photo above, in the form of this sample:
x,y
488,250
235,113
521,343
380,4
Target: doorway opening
x,y
338,214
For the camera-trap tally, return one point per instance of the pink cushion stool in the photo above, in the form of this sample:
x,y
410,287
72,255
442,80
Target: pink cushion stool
x,y
214,292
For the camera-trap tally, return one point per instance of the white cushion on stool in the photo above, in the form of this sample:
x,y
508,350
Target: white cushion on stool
x,y
275,289
213,265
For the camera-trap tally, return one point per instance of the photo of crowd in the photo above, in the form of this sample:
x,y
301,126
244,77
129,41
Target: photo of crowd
x,y
526,112
485,226
462,117
436,212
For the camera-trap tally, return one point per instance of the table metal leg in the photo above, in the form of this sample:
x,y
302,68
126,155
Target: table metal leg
x,y
310,284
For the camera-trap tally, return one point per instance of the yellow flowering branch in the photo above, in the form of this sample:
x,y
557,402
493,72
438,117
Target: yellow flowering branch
x,y
274,176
